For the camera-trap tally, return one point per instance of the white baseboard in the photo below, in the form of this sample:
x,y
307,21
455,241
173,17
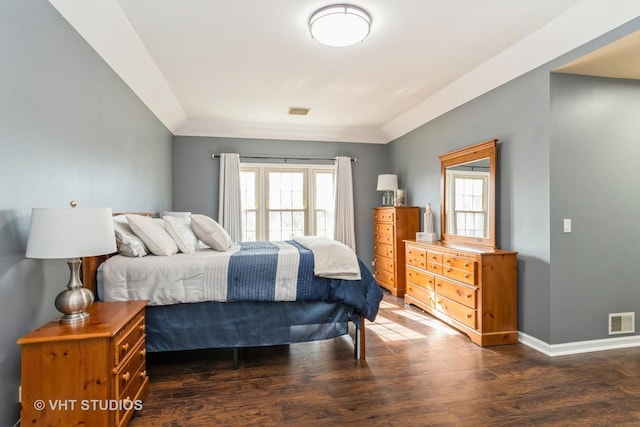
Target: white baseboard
x,y
565,349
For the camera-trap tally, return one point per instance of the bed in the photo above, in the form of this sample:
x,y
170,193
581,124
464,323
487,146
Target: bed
x,y
197,310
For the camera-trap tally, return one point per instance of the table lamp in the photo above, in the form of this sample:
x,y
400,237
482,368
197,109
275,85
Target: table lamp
x,y
72,233
387,183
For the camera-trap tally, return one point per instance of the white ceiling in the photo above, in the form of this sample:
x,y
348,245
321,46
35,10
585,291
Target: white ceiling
x,y
233,68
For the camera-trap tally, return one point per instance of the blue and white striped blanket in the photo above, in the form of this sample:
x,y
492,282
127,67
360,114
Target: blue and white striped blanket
x,y
248,271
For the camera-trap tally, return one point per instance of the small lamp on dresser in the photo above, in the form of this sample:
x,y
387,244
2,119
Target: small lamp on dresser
x,y
71,233
389,184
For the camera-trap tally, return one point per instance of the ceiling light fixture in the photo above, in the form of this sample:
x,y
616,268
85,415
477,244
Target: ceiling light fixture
x,y
340,25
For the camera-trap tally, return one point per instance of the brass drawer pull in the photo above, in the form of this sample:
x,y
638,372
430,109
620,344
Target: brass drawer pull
x,y
126,376
125,347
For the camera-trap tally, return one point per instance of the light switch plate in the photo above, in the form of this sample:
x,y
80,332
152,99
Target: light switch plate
x,y
566,225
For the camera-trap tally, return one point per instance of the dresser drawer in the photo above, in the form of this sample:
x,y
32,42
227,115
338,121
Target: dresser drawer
x,y
384,276
383,249
384,215
423,295
459,312
416,257
459,293
383,228
459,263
420,278
434,267
461,275
384,263
434,257
380,237
128,337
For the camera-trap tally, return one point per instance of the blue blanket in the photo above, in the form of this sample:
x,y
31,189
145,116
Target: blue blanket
x,y
255,274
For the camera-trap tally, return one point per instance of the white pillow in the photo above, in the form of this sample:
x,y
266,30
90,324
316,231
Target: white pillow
x,y
210,232
179,228
176,214
127,242
152,234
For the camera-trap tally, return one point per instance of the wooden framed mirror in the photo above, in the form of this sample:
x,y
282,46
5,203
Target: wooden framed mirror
x,y
468,195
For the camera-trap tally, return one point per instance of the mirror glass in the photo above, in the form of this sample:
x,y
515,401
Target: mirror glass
x,y
468,194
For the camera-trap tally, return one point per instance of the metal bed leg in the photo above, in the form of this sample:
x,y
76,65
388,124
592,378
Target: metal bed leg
x,y
235,358
359,342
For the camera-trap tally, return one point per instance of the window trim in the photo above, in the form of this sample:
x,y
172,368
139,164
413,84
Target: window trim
x,y
262,220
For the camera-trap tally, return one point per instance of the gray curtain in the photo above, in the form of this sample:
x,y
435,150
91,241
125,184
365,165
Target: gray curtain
x,y
344,213
229,207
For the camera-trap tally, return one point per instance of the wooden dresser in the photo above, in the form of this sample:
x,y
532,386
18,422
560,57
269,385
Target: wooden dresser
x,y
472,288
392,225
91,374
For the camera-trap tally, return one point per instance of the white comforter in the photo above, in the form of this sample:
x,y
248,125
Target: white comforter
x,y
332,259
202,276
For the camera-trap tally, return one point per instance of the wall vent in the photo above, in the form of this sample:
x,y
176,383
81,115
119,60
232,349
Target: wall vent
x,y
622,323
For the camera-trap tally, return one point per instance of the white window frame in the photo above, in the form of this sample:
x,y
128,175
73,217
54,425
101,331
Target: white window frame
x,y
262,170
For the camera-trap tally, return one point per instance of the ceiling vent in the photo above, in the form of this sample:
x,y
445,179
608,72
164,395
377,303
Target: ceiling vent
x,y
298,111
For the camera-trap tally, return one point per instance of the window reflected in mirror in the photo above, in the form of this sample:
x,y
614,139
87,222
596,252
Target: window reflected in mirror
x,y
467,188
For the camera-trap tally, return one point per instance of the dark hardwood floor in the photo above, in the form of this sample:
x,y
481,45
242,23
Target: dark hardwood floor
x,y
419,372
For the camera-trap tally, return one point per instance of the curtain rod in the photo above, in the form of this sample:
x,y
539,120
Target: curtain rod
x,y
285,158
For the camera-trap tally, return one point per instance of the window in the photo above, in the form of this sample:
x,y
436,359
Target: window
x,y
470,204
279,202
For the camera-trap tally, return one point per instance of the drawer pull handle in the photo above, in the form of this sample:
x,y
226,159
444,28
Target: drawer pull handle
x,y
467,276
438,285
143,352
449,270
143,374
466,265
143,327
448,261
125,347
469,296
468,316
126,376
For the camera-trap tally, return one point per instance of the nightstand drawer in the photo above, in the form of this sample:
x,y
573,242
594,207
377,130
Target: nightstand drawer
x,y
127,374
127,339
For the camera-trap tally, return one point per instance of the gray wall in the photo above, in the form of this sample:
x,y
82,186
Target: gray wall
x,y
523,177
195,174
534,194
595,156
70,129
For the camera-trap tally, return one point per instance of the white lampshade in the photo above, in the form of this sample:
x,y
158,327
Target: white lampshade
x,y
340,25
70,233
387,182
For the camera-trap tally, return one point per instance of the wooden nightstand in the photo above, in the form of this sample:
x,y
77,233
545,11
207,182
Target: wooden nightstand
x,y
92,373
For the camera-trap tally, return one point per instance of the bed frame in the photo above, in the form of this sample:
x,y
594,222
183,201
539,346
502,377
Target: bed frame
x,y
89,277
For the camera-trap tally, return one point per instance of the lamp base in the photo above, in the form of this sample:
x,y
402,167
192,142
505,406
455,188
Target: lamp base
x,y
68,319
75,300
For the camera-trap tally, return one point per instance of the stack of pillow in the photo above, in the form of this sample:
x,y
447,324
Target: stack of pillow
x,y
139,235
